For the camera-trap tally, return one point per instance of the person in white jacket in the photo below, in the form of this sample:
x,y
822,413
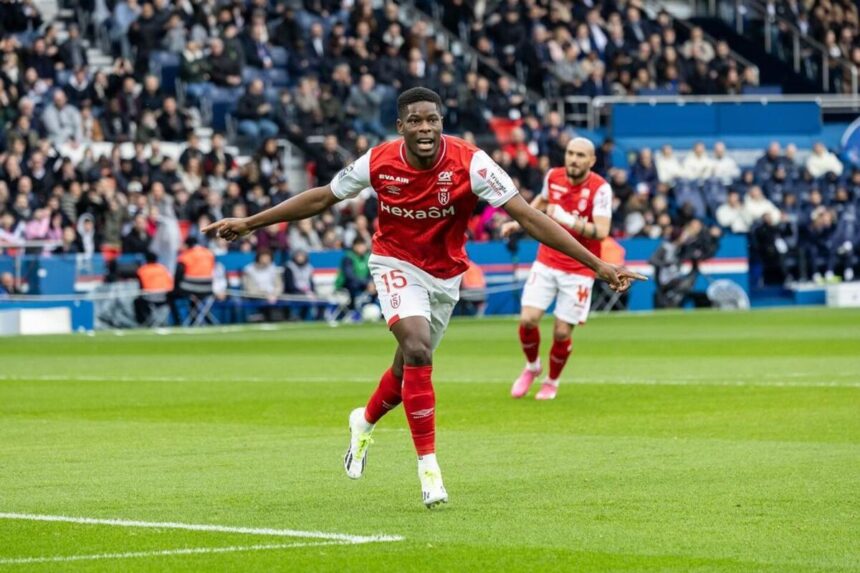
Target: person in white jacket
x,y
757,206
697,164
822,162
725,168
731,216
668,167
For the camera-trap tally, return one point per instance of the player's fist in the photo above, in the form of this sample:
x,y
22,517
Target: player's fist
x,y
562,217
509,228
229,229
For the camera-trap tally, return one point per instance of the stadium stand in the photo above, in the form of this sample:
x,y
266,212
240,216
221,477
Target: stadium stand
x,y
131,124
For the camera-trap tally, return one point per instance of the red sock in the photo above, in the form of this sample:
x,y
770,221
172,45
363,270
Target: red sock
x,y
385,398
561,349
419,401
530,340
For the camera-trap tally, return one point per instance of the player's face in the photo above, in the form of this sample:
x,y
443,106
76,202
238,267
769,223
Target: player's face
x,y
421,128
578,160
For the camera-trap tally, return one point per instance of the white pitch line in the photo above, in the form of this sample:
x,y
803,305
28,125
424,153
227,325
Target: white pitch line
x,y
166,552
204,527
762,380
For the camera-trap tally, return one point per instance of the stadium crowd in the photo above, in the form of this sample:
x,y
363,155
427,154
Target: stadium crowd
x,y
596,48
835,24
338,71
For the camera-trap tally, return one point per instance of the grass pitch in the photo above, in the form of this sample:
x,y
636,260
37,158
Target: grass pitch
x,y
688,442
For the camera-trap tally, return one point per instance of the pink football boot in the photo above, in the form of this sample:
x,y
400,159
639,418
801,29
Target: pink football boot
x,y
524,382
547,391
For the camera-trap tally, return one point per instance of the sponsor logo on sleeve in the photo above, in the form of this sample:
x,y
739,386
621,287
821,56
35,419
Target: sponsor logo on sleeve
x,y
493,180
345,171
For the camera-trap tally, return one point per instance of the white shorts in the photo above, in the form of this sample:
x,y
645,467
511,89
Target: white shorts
x,y
573,291
405,290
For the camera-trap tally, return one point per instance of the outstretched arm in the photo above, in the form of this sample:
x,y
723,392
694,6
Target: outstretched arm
x,y
311,202
550,233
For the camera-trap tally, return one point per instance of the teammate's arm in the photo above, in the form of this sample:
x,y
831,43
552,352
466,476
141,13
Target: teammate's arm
x,y
311,202
599,229
548,232
510,227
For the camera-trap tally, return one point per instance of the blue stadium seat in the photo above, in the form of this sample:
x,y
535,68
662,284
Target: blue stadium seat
x,y
222,104
762,90
279,57
277,77
658,92
250,74
166,66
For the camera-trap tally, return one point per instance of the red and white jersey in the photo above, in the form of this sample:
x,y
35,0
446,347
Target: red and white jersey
x,y
423,214
591,198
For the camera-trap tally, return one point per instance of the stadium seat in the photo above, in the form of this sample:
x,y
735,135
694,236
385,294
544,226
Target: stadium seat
x,y
280,57
166,66
277,77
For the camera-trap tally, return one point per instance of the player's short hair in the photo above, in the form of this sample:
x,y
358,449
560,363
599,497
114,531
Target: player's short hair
x,y
415,95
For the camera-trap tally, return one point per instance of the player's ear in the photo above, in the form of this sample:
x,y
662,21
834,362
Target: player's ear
x,y
399,125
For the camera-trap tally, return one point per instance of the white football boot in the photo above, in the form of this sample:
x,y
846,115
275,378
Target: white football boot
x,y
432,489
359,440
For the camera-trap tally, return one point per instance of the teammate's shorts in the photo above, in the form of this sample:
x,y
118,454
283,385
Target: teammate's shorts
x,y
573,291
405,290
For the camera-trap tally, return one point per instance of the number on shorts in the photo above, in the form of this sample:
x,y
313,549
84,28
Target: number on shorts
x,y
394,280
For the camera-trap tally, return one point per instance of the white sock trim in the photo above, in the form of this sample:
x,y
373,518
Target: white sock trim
x,y
533,366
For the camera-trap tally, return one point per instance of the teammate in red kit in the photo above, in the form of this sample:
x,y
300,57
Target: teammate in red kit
x,y
428,185
581,202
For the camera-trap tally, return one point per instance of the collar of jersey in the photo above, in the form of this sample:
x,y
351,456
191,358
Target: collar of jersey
x,y
442,150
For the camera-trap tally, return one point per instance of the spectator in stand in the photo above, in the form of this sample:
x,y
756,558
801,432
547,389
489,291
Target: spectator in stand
x,y
255,113
330,160
364,105
302,235
697,165
261,281
725,169
644,171
62,121
731,215
7,285
757,207
767,164
354,275
821,162
137,240
668,166
299,280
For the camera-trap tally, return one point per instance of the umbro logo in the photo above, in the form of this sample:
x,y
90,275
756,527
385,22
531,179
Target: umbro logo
x,y
418,414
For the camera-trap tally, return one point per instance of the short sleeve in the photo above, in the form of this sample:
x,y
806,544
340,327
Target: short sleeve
x,y
489,181
544,191
352,179
602,202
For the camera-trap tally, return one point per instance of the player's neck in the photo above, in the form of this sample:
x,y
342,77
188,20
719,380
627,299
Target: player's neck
x,y
580,180
421,163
